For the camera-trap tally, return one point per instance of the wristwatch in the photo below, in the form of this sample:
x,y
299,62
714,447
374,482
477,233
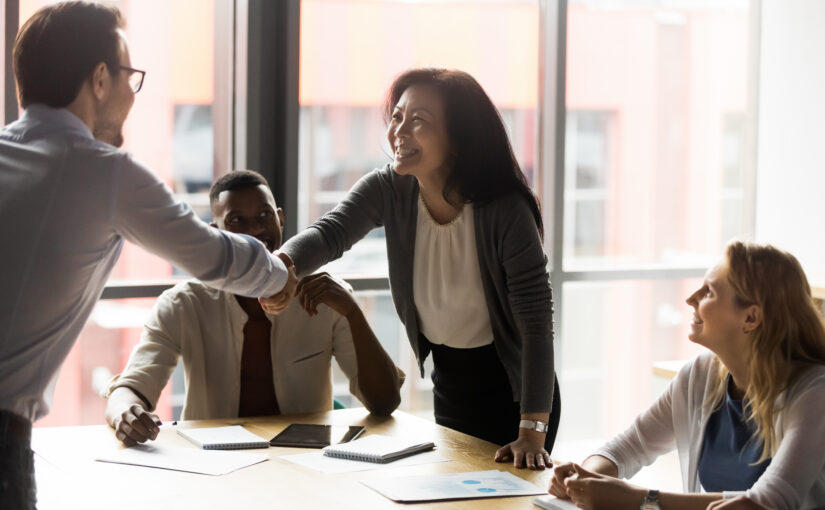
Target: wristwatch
x,y
538,426
651,501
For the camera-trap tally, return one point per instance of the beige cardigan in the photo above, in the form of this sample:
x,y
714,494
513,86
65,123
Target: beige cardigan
x,y
205,327
795,478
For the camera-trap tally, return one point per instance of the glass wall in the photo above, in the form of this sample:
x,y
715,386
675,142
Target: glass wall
x,y
656,132
658,161
657,164
176,127
172,126
350,52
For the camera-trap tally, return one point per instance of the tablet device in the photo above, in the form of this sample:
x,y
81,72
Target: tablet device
x,y
307,435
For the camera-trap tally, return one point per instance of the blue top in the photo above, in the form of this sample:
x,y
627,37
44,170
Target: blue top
x,y
727,462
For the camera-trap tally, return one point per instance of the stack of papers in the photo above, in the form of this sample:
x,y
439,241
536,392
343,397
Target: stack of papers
x,y
189,460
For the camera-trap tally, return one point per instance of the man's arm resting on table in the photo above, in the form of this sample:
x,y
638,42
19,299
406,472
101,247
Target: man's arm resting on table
x,y
126,412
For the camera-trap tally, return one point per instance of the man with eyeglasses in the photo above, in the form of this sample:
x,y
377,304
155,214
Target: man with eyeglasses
x,y
68,199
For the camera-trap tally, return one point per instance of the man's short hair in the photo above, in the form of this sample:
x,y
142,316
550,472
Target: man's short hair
x,y
59,46
235,180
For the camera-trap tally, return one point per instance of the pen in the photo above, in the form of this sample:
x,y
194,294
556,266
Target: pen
x,y
168,424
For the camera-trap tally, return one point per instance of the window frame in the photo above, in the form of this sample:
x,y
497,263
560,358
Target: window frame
x,y
262,56
551,157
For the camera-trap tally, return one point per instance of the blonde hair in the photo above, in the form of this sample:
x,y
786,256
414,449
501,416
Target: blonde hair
x,y
791,334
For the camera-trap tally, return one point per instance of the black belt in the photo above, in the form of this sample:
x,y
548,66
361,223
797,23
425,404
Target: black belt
x,y
15,425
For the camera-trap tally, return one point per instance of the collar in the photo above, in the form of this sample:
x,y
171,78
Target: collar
x,y
61,119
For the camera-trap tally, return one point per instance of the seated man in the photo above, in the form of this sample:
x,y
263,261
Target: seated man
x,y
240,361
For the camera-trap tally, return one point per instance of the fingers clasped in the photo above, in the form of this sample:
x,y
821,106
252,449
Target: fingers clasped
x,y
558,483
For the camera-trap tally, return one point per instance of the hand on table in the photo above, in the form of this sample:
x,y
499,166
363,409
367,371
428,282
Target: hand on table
x,y
323,288
593,491
526,451
136,425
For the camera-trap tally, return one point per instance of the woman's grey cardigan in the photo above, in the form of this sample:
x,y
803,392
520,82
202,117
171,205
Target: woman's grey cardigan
x,y
510,256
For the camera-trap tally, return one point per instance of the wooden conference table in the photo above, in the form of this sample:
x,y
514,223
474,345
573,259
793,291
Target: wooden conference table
x,y
67,477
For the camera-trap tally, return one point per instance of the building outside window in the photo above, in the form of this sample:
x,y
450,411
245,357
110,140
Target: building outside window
x,y
655,177
178,129
655,185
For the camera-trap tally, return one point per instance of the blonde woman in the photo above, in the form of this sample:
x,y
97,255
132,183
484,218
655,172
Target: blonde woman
x,y
748,418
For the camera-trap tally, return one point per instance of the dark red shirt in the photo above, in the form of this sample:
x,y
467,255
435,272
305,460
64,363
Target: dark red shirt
x,y
257,385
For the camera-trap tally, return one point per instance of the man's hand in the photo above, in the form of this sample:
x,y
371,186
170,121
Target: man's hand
x,y
526,451
136,425
323,288
276,303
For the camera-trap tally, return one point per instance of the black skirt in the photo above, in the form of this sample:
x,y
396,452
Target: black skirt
x,y
472,394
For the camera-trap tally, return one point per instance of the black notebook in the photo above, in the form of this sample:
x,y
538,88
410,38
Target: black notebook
x,y
377,448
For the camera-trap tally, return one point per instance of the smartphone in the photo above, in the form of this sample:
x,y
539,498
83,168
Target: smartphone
x,y
308,435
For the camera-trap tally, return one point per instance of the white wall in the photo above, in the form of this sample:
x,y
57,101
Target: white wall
x,y
790,185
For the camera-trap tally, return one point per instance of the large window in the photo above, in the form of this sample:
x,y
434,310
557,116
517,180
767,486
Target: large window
x,y
350,52
670,86
658,157
179,127
658,140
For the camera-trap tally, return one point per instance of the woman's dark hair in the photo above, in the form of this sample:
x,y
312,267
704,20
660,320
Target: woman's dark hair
x,y
59,46
483,167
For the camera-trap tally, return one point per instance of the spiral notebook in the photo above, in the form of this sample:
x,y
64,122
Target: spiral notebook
x,y
233,437
378,448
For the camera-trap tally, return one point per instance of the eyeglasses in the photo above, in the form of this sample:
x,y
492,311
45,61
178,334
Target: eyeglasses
x,y
135,78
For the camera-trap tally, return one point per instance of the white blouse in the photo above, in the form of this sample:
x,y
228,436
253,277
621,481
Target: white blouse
x,y
447,289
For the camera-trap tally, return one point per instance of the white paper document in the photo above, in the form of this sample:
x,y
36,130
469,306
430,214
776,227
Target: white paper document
x,y
190,460
549,502
479,484
330,465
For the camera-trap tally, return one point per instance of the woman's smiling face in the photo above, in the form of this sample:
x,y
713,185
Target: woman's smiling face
x,y
417,133
717,318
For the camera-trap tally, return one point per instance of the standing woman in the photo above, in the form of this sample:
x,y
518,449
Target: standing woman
x,y
466,267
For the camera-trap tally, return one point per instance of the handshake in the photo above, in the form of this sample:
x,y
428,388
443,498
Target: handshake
x,y
319,288
278,302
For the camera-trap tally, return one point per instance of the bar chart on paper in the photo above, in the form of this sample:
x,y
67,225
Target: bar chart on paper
x,y
479,484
